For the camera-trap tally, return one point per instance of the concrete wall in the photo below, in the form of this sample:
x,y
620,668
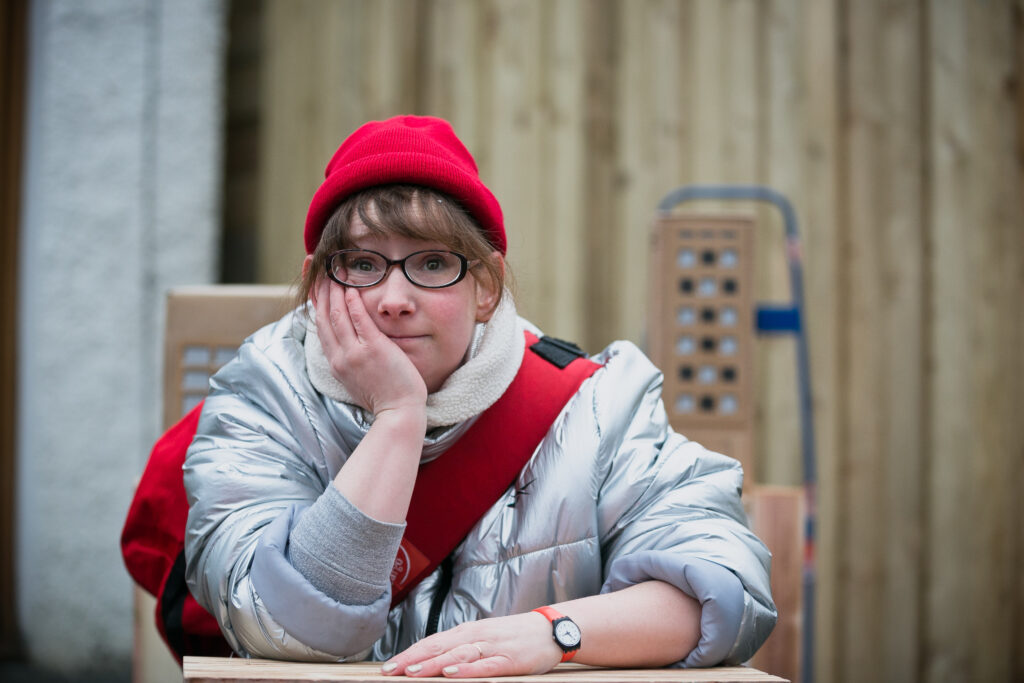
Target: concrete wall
x,y
121,201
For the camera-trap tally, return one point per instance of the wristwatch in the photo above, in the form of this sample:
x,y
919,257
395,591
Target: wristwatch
x,y
566,633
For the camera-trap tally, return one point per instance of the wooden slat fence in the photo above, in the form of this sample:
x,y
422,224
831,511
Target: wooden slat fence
x,y
896,129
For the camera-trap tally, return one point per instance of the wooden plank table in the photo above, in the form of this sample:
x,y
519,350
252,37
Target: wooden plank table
x,y
237,669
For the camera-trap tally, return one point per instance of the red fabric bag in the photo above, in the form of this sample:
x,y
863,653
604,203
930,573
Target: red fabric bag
x,y
153,545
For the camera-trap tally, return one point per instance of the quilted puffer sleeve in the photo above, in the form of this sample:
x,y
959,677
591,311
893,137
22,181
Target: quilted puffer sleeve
x,y
670,510
256,465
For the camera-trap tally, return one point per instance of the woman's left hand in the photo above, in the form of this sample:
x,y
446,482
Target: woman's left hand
x,y
502,646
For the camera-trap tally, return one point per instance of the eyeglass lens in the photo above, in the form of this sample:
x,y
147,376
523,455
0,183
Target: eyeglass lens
x,y
425,268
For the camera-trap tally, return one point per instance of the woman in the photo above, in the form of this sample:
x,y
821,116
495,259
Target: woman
x,y
629,538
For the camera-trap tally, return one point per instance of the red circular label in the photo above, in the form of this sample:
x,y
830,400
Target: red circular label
x,y
400,570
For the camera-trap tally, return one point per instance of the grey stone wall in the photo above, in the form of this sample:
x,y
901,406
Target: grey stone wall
x,y
121,201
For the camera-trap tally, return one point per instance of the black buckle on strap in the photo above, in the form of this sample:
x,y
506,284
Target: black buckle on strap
x,y
556,351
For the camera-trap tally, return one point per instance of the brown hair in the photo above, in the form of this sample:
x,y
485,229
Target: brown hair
x,y
409,211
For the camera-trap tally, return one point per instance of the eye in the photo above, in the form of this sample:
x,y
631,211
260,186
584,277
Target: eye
x,y
433,262
362,262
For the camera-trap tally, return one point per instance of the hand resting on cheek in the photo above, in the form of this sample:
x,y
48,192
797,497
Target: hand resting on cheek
x,y
372,367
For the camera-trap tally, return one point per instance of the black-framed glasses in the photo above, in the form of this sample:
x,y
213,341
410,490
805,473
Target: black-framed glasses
x,y
432,269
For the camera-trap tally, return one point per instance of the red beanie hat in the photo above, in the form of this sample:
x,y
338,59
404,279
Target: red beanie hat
x,y
414,150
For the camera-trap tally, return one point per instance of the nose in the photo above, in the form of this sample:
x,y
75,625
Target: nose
x,y
395,294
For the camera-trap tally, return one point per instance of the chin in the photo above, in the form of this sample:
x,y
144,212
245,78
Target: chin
x,y
435,383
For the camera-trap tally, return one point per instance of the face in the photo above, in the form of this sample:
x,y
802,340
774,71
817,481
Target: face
x,y
432,326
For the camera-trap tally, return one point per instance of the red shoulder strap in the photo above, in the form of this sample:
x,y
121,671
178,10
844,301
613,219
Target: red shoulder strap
x,y
453,491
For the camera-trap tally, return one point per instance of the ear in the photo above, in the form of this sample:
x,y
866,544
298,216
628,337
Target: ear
x,y
488,291
307,263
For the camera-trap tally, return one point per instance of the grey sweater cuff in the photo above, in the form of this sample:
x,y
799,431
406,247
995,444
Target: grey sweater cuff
x,y
342,552
719,592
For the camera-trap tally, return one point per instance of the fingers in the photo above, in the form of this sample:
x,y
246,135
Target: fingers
x,y
335,327
326,311
470,661
482,668
349,321
417,658
415,655
460,661
338,313
364,328
500,646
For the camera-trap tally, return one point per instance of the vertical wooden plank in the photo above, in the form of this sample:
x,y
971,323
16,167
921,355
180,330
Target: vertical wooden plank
x,y
453,72
368,52
741,102
514,93
707,94
997,206
390,79
863,442
640,121
562,194
291,141
901,306
647,59
243,114
819,222
651,125
975,265
779,162
1015,341
600,29
949,280
338,93
883,451
947,655
483,112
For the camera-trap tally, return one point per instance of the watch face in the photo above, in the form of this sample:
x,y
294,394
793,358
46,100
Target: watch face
x,y
567,633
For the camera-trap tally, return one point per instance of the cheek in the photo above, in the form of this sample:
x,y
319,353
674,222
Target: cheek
x,y
460,321
458,318
369,297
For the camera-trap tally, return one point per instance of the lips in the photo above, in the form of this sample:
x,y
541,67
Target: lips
x,y
406,338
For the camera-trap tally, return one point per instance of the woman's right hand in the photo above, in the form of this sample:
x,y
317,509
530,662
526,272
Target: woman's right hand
x,y
372,368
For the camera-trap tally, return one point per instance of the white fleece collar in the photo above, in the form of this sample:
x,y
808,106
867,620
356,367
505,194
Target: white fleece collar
x,y
494,358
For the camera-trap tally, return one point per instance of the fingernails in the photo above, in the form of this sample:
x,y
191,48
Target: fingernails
x,y
450,670
414,668
389,667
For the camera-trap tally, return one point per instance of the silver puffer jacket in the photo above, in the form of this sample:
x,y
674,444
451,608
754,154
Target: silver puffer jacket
x,y
613,497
